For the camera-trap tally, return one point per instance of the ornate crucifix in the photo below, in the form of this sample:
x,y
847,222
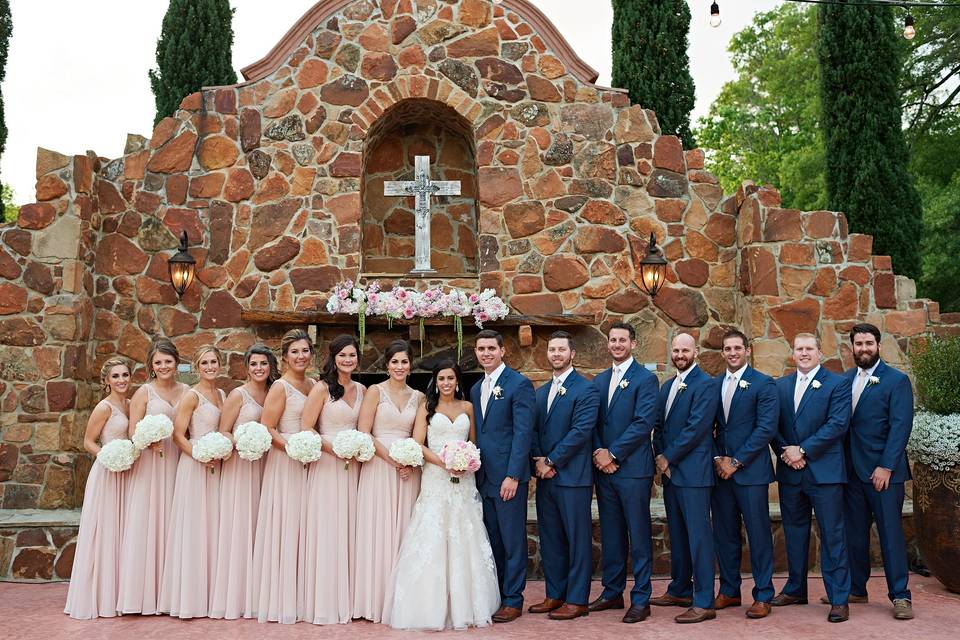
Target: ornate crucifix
x,y
422,187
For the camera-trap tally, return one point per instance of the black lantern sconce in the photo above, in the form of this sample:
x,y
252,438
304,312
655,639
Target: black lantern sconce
x,y
182,267
653,268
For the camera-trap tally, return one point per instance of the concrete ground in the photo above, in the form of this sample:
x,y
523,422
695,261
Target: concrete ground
x,y
29,611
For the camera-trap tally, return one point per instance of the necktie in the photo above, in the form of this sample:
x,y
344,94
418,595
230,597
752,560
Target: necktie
x,y
673,394
614,381
798,392
728,395
485,395
859,386
554,388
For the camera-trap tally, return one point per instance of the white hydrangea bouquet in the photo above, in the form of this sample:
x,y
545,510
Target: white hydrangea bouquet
x,y
935,440
305,447
351,444
152,429
407,452
211,446
118,455
252,440
460,455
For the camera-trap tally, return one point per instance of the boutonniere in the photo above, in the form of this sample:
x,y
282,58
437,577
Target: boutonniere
x,y
624,384
682,387
562,390
815,384
497,392
744,384
873,380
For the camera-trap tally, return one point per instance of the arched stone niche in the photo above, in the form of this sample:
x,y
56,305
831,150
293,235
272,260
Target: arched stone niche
x,y
428,128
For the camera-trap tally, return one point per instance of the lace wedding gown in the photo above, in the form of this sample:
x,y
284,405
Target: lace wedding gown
x,y
445,576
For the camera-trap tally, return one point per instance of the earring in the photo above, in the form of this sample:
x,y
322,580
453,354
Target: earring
x,y
458,389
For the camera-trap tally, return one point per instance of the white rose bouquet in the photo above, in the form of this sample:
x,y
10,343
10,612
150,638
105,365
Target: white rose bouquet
x,y
407,452
252,440
211,446
351,444
152,429
118,455
305,447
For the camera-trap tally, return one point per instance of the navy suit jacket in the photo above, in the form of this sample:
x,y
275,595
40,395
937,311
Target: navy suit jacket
x,y
565,432
684,436
881,424
754,413
818,427
504,434
625,426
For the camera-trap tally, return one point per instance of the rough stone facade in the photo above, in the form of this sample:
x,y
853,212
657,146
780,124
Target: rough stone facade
x,y
276,182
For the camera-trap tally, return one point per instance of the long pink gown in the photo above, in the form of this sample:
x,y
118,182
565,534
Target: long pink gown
x,y
325,593
192,537
147,502
280,531
96,572
239,501
384,506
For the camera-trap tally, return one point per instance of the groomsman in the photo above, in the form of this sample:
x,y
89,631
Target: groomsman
x,y
746,423
566,417
687,406
503,406
882,405
814,416
623,458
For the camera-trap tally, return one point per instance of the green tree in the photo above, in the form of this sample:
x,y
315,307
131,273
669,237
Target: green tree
x,y
650,60
6,30
866,153
765,124
194,51
10,210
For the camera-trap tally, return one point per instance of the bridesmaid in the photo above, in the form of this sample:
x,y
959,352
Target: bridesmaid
x,y
191,553
282,500
387,490
325,595
149,491
240,491
93,583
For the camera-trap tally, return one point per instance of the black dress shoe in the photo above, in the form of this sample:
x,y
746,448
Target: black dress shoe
x,y
600,604
785,599
636,614
839,613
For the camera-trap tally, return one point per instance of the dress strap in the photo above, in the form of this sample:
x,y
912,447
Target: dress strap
x,y
200,395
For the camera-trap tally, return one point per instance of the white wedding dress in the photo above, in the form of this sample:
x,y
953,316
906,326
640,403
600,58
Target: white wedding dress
x,y
445,576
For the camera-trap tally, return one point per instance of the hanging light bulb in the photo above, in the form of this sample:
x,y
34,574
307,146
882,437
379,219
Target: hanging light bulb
x,y
908,30
714,15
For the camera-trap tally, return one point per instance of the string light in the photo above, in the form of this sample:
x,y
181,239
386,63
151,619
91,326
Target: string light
x,y
908,29
715,15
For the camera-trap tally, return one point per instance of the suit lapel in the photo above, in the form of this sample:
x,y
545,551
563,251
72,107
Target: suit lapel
x,y
499,383
739,391
556,400
867,386
619,390
809,391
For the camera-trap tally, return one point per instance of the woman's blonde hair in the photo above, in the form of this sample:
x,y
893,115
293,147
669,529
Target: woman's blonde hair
x,y
115,361
202,351
294,335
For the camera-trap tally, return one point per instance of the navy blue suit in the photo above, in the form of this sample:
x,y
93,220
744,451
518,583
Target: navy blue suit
x,y
683,437
504,437
564,435
818,426
879,429
746,436
623,497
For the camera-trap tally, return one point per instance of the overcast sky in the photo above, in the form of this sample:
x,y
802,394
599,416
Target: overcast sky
x,y
77,71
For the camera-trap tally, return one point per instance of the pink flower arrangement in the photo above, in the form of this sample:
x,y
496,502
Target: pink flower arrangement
x,y
461,456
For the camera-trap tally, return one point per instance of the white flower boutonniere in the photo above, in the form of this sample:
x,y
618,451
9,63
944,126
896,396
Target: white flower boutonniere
x,y
873,380
562,390
624,384
497,392
744,384
682,387
815,384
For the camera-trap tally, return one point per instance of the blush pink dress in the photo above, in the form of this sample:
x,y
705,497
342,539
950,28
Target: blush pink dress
x,y
192,536
147,502
239,501
384,505
326,588
276,561
96,569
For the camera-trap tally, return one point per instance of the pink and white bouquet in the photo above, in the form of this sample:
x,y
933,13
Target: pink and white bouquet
x,y
305,447
352,444
407,452
118,455
461,456
350,299
487,306
151,429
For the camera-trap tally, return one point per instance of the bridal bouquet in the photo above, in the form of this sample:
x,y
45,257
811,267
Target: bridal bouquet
x,y
305,447
252,440
407,452
211,446
152,429
351,444
118,455
460,455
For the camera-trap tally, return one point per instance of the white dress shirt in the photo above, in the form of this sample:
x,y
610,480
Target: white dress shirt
x,y
731,378
675,387
555,383
801,385
617,373
860,382
489,382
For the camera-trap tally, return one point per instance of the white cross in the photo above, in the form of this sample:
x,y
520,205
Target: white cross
x,y
422,187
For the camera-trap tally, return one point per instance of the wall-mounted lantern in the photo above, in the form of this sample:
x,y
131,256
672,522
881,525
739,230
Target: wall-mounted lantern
x,y
182,267
653,268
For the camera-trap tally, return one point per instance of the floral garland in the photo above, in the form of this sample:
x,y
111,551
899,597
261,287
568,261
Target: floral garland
x,y
409,304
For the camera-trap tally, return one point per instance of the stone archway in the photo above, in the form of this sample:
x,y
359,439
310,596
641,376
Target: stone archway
x,y
412,127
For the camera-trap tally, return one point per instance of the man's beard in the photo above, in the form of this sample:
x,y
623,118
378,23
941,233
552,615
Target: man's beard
x,y
689,363
869,362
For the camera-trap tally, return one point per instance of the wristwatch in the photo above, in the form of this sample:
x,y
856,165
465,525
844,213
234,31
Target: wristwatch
x,y
549,463
612,457
736,463
802,452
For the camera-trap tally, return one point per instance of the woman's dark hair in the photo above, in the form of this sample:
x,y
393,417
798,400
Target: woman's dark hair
x,y
261,349
433,391
329,373
397,346
164,346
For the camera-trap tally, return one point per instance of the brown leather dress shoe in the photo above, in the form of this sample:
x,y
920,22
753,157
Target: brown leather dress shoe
x,y
569,612
839,613
506,614
722,601
636,614
603,605
852,599
785,599
548,605
668,600
759,610
696,614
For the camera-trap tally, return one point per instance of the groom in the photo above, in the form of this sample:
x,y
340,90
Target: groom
x,y
504,410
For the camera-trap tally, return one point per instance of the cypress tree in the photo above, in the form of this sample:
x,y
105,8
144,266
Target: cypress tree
x,y
194,51
650,60
866,154
6,30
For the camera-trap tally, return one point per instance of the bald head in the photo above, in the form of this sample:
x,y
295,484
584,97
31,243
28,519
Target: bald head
x,y
683,352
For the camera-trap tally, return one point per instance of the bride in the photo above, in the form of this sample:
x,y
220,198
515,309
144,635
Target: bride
x,y
445,576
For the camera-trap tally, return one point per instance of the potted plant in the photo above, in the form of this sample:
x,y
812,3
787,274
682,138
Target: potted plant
x,y
934,447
